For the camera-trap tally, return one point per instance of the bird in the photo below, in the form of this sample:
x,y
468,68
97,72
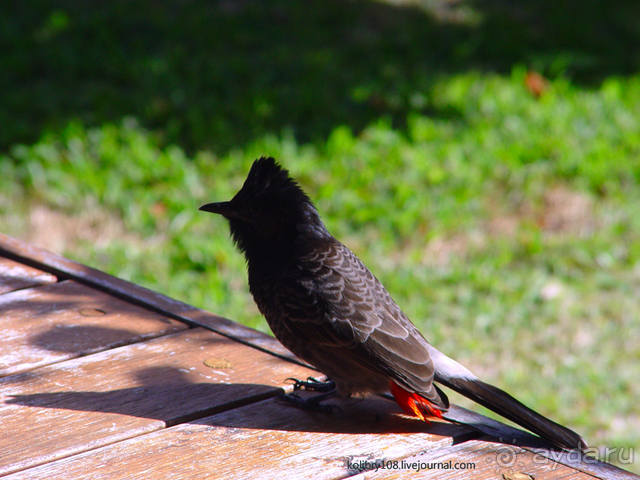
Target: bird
x,y
324,305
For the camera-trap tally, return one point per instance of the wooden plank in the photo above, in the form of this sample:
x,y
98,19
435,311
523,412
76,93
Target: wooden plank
x,y
87,402
507,435
474,460
14,276
65,268
63,320
269,439
590,464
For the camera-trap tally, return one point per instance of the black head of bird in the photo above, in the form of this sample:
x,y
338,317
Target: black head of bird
x,y
270,214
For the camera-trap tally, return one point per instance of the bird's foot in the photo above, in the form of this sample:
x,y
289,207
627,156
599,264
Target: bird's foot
x,y
311,403
312,384
326,387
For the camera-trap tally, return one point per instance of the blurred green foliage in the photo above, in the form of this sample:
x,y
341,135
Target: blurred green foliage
x,y
505,226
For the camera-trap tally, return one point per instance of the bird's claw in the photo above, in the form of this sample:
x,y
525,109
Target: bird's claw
x,y
312,384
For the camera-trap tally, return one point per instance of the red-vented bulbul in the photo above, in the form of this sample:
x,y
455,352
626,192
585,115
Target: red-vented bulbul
x,y
325,306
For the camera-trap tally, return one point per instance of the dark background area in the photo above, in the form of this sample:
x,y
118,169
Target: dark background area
x,y
214,75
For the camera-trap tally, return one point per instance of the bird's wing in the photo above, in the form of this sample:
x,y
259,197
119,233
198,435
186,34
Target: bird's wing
x,y
363,317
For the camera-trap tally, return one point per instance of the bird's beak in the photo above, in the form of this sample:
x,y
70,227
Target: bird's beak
x,y
222,208
225,209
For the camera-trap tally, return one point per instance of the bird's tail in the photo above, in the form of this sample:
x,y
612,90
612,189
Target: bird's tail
x,y
455,376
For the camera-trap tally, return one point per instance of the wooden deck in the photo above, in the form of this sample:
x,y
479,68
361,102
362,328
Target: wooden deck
x,y
103,379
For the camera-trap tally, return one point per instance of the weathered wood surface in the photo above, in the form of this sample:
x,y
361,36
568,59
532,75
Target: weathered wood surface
x,y
193,404
14,276
112,395
130,292
588,464
269,439
476,460
62,320
508,436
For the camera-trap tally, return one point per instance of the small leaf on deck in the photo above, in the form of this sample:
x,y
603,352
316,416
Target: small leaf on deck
x,y
218,363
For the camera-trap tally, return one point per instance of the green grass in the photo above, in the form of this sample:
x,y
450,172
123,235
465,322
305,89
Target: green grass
x,y
505,226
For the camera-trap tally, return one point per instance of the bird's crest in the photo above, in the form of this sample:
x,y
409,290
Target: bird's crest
x,y
267,177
